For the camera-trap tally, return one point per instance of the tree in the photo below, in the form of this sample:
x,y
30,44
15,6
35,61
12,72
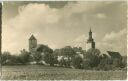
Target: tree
x,y
85,64
57,52
49,59
77,62
67,54
5,57
44,53
92,56
14,60
124,61
105,62
24,56
78,49
68,51
37,57
93,51
44,48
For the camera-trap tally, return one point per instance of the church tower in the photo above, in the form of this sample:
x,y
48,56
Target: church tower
x,y
32,43
90,42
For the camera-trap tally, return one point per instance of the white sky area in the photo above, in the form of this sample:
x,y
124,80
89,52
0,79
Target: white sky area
x,y
69,25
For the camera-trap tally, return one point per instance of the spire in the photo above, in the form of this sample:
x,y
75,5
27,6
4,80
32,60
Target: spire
x,y
90,29
90,39
32,37
90,33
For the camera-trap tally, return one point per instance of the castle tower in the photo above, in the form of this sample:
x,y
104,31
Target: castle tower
x,y
32,43
90,42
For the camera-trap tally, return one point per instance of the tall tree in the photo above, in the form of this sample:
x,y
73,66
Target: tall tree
x,y
77,61
5,57
49,59
24,56
92,56
44,53
37,56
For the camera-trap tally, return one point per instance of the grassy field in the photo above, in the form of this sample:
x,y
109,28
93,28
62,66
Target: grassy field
x,y
40,72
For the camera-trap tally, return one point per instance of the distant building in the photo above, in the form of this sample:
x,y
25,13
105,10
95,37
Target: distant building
x,y
32,43
34,46
115,57
90,42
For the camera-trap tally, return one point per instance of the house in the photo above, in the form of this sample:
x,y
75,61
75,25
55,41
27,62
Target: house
x,y
115,57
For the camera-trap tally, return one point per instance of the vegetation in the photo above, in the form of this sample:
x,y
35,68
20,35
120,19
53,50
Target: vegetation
x,y
92,57
66,57
77,62
58,64
24,57
40,72
37,57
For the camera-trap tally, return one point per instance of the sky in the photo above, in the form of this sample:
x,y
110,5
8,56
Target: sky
x,y
64,23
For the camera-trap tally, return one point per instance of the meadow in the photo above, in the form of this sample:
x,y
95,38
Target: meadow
x,y
40,72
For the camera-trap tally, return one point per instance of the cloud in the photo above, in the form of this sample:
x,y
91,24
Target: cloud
x,y
53,26
33,18
101,16
80,41
115,35
114,41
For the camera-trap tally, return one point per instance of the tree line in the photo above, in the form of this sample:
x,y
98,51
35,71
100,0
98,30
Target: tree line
x,y
69,57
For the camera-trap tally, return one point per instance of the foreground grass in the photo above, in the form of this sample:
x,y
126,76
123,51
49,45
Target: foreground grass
x,y
39,72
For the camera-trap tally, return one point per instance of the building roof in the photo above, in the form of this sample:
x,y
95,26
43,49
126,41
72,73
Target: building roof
x,y
32,37
114,54
90,30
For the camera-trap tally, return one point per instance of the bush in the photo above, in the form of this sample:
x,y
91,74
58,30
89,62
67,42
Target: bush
x,y
24,57
13,60
49,59
124,62
92,57
64,61
92,60
77,61
85,64
8,59
37,57
106,67
5,57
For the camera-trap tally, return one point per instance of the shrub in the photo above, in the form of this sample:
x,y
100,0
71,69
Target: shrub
x,y
24,57
77,61
49,59
5,57
37,57
85,64
92,57
92,60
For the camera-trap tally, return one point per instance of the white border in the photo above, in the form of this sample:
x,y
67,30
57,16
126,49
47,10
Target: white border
x,y
63,0
75,0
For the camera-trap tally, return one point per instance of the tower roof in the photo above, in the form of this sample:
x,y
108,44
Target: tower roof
x,y
90,39
90,30
32,37
114,54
